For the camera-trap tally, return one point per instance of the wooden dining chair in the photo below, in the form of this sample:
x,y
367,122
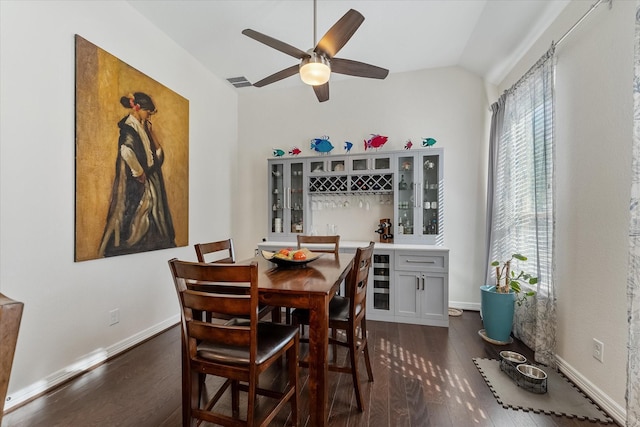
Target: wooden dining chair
x,y
222,252
319,244
324,244
239,349
349,314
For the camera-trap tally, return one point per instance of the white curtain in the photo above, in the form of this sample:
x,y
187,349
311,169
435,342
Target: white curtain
x,y
521,214
633,283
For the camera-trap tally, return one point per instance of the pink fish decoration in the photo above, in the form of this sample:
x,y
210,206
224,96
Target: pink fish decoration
x,y
408,145
376,141
295,151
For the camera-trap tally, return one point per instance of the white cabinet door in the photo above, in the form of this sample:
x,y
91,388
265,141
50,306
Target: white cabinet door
x,y
434,297
407,284
287,199
419,197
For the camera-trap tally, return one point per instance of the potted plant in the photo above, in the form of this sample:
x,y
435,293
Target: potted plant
x,y
498,301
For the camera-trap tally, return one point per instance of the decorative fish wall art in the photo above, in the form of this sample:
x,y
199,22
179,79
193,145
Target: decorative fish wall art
x,y
428,142
348,146
295,151
408,145
321,145
376,141
278,152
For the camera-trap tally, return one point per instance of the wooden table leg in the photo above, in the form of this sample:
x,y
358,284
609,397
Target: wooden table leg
x,y
318,360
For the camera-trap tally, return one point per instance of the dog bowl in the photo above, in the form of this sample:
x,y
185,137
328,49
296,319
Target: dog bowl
x,y
513,357
532,378
532,372
509,360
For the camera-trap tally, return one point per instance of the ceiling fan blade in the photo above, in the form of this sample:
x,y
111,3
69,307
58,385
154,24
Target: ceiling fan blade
x,y
340,33
276,44
282,74
359,69
322,92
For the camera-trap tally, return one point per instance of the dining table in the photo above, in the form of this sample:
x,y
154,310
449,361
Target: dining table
x,y
310,287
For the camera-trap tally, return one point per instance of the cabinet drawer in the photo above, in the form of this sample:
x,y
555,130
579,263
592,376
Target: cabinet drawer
x,y
427,260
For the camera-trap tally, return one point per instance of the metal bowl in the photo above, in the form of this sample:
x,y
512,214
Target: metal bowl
x,y
513,357
532,372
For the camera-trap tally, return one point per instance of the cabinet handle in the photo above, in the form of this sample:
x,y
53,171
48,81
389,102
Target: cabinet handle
x,y
417,283
423,279
418,261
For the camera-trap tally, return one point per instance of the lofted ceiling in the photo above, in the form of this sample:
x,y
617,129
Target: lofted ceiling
x,y
485,37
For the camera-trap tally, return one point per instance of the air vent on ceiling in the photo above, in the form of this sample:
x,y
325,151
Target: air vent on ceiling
x,y
239,81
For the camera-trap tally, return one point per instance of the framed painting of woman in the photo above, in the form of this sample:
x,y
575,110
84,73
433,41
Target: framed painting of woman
x,y
132,152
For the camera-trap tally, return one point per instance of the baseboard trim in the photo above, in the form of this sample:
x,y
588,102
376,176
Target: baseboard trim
x,y
86,363
471,306
615,411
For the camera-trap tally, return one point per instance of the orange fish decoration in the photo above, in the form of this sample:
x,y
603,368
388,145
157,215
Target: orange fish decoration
x,y
376,141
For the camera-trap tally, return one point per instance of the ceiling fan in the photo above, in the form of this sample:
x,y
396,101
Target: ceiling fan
x,y
317,64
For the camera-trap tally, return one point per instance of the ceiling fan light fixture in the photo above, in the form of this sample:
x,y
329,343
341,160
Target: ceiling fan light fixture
x,y
315,70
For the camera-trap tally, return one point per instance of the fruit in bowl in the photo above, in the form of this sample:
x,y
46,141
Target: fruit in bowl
x,y
290,256
293,254
299,255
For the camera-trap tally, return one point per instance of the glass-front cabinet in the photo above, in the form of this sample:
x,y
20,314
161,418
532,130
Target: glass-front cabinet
x,y
327,164
419,196
371,162
287,199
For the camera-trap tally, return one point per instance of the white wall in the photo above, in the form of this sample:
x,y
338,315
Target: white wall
x,y
65,321
67,303
593,172
448,104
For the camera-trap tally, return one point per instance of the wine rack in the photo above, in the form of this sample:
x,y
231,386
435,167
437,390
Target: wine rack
x,y
381,281
328,184
373,183
341,184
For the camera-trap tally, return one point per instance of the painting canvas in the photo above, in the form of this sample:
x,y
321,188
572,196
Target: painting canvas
x,y
132,159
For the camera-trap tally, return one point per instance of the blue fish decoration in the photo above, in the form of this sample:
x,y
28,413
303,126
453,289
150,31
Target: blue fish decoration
x,y
278,152
428,142
321,145
347,146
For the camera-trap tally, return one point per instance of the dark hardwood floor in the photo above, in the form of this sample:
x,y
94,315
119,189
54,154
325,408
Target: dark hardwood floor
x,y
424,376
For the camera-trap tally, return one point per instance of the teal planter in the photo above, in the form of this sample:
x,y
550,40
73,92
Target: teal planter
x,y
497,313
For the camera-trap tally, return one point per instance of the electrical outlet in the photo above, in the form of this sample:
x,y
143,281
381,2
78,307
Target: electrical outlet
x,y
114,316
598,350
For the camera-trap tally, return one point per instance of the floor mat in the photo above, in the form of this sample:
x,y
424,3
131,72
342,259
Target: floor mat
x,y
561,398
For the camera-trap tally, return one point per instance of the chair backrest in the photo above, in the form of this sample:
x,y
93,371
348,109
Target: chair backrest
x,y
356,283
219,252
312,243
229,291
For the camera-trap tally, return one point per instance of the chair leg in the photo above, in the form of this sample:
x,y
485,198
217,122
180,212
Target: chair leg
x,y
251,401
193,397
353,356
235,398
292,360
365,348
334,335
